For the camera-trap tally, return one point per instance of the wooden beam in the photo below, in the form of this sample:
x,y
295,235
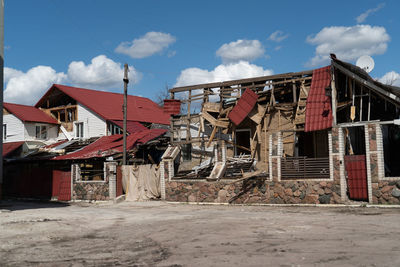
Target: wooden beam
x,y
214,121
334,99
388,95
214,131
237,82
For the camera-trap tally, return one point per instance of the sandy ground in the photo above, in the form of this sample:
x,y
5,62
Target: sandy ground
x,y
163,234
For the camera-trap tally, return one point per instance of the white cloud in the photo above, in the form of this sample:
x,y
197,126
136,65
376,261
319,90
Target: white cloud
x,y
239,70
11,73
391,78
147,45
361,18
246,50
278,36
101,73
348,43
27,88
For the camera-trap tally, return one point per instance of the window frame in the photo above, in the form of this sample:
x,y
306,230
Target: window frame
x,y
79,129
41,132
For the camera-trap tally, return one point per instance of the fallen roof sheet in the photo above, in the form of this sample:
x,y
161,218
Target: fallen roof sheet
x,y
29,113
318,107
109,105
110,145
8,148
243,107
131,126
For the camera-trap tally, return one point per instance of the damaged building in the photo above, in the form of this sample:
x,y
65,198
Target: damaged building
x,y
76,153
327,135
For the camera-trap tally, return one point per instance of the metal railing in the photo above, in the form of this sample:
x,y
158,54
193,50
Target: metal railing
x,y
296,168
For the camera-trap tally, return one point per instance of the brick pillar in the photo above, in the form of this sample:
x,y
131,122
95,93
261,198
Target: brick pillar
x,y
162,179
111,173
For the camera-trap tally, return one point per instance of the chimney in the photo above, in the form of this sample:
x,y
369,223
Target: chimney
x,y
172,106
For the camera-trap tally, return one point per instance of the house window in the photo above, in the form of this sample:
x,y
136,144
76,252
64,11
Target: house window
x,y
4,131
41,132
242,141
391,148
79,129
114,129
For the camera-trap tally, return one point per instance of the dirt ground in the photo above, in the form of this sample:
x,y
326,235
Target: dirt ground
x,y
163,234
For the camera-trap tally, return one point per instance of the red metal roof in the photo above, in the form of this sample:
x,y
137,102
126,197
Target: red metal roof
x,y
243,107
318,107
109,105
131,126
172,106
29,113
109,145
10,147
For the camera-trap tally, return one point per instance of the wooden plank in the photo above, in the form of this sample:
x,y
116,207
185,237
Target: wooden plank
x,y
214,131
211,107
257,113
241,81
214,121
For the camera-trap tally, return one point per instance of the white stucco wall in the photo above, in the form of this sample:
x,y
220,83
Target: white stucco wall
x,y
93,124
15,129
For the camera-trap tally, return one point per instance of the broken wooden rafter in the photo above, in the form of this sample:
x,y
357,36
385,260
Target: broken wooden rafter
x,y
215,122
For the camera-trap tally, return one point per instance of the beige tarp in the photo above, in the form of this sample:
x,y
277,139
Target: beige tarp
x,y
141,182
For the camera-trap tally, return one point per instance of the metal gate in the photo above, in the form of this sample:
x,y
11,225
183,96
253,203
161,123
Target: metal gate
x,y
62,185
356,177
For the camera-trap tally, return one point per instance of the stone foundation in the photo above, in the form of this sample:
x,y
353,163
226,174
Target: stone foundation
x,y
255,190
387,192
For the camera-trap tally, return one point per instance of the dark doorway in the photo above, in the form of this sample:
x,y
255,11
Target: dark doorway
x,y
242,141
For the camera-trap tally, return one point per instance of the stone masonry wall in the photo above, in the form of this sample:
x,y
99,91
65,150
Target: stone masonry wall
x,y
255,190
90,191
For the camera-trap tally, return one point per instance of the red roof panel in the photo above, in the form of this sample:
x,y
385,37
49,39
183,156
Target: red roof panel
x,y
10,147
243,107
29,113
318,107
109,105
109,145
131,126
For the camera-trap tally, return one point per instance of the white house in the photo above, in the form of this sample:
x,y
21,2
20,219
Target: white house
x,y
27,123
85,113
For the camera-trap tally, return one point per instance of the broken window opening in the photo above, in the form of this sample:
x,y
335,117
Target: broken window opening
x,y
114,129
391,148
93,171
41,132
311,161
312,144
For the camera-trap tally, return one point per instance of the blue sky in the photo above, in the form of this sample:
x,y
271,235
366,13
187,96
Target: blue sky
x,y
168,43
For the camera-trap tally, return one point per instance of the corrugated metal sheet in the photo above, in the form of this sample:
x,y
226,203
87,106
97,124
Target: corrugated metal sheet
x,y
318,107
10,147
62,185
110,145
356,177
243,107
109,105
172,106
29,113
131,126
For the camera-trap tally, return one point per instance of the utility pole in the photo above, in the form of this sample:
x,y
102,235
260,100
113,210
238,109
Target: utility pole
x,y
126,81
1,89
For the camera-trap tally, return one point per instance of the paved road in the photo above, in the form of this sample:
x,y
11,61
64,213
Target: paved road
x,y
162,234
